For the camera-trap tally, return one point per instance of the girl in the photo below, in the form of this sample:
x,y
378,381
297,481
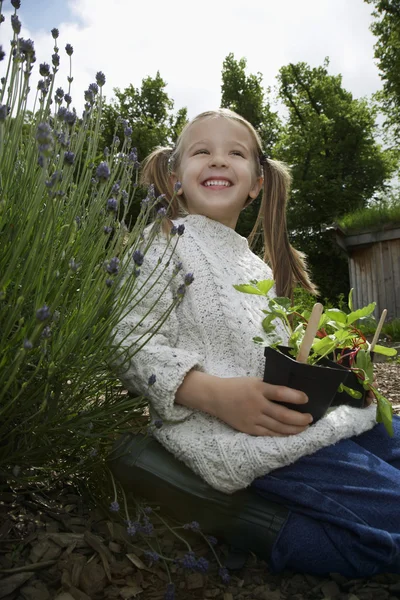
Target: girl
x,y
202,372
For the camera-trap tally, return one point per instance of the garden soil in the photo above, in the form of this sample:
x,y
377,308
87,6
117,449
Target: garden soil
x,y
54,545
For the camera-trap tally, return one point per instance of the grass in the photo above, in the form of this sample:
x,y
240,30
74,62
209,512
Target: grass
x,y
375,216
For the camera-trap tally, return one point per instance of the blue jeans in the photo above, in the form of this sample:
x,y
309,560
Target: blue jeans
x,y
344,503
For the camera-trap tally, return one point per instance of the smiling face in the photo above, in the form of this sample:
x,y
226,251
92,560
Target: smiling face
x,y
217,170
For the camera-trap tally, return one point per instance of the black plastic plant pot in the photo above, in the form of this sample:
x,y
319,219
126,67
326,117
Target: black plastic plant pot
x,y
320,382
354,383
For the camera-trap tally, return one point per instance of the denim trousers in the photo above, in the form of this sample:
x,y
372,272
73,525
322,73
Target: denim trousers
x,y
344,504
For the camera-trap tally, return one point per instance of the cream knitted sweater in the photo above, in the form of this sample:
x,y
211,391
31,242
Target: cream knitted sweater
x,y
211,330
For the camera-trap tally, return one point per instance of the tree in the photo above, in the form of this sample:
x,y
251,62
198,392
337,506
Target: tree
x,y
245,95
386,27
337,164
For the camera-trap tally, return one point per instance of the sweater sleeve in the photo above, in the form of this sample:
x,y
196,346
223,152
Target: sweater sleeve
x,y
159,357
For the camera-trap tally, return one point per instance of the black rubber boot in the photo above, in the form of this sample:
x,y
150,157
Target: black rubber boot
x,y
243,520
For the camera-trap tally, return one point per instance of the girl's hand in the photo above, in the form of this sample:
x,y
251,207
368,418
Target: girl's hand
x,y
245,404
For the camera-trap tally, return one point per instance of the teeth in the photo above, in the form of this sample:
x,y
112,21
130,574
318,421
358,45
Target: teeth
x,y
217,182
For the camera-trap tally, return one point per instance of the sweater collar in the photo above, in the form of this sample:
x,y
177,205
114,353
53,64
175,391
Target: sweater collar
x,y
215,232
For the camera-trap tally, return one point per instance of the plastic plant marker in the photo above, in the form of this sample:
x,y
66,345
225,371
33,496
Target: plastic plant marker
x,y
378,329
311,331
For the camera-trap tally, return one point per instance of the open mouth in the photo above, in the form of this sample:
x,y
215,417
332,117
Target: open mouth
x,y
217,184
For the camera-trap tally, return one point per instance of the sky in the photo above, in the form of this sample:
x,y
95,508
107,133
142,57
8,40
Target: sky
x,y
187,42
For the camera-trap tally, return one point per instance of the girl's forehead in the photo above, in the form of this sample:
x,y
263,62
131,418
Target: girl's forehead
x,y
217,129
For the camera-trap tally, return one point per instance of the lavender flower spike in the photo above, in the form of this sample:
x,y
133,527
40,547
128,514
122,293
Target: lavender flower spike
x,y
170,592
16,3
103,171
114,506
55,33
189,278
152,379
138,258
16,24
112,204
69,49
113,266
42,314
100,78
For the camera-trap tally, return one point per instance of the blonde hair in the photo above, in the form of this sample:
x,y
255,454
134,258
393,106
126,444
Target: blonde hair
x,y
288,264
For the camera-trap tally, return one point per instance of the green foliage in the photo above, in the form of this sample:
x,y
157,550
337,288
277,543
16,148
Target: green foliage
x,y
386,28
63,285
372,217
337,337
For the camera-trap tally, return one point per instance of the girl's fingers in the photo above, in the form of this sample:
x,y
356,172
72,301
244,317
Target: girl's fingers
x,y
286,416
272,427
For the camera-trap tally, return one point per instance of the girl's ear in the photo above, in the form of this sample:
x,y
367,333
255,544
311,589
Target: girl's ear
x,y
255,190
174,180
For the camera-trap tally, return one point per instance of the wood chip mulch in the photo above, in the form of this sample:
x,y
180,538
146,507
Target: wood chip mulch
x,y
56,546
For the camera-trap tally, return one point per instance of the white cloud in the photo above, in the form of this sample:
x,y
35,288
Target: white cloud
x,y
187,43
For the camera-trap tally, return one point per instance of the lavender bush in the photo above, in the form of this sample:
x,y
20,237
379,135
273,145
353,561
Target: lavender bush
x,y
65,248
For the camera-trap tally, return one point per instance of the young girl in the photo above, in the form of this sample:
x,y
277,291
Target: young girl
x,y
202,372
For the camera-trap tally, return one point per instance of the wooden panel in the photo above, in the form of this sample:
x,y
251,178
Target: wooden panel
x,y
388,279
395,251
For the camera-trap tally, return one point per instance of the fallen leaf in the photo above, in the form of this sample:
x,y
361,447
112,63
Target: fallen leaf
x,y
12,583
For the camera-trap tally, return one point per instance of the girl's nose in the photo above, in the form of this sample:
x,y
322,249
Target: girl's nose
x,y
218,160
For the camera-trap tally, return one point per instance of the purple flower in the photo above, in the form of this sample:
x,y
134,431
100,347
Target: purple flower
x,y
42,314
170,592
181,229
55,59
89,96
16,24
189,561
132,528
181,291
112,204
125,196
2,53
26,46
100,79
109,282
194,526
44,69
138,258
115,188
150,192
152,556
202,565
42,86
62,111
103,171
69,158
4,112
158,423
162,212
148,510
107,229
116,140
133,156
93,452
28,345
69,117
113,266
60,93
68,99
224,574
93,87
69,49
55,33
147,527
189,278
178,267
16,3
177,186
114,506
152,379
174,230
128,131
44,135
212,540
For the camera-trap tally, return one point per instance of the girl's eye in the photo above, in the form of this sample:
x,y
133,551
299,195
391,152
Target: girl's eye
x,y
238,153
200,152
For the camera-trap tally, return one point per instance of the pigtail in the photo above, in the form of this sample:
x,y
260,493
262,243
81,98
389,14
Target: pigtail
x,y
288,265
156,170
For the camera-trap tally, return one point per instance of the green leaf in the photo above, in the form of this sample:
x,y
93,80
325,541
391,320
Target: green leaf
x,y
353,393
265,286
364,362
336,315
267,324
246,288
360,313
385,351
350,301
384,412
324,345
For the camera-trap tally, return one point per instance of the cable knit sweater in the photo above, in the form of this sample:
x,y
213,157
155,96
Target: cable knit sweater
x,y
211,330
